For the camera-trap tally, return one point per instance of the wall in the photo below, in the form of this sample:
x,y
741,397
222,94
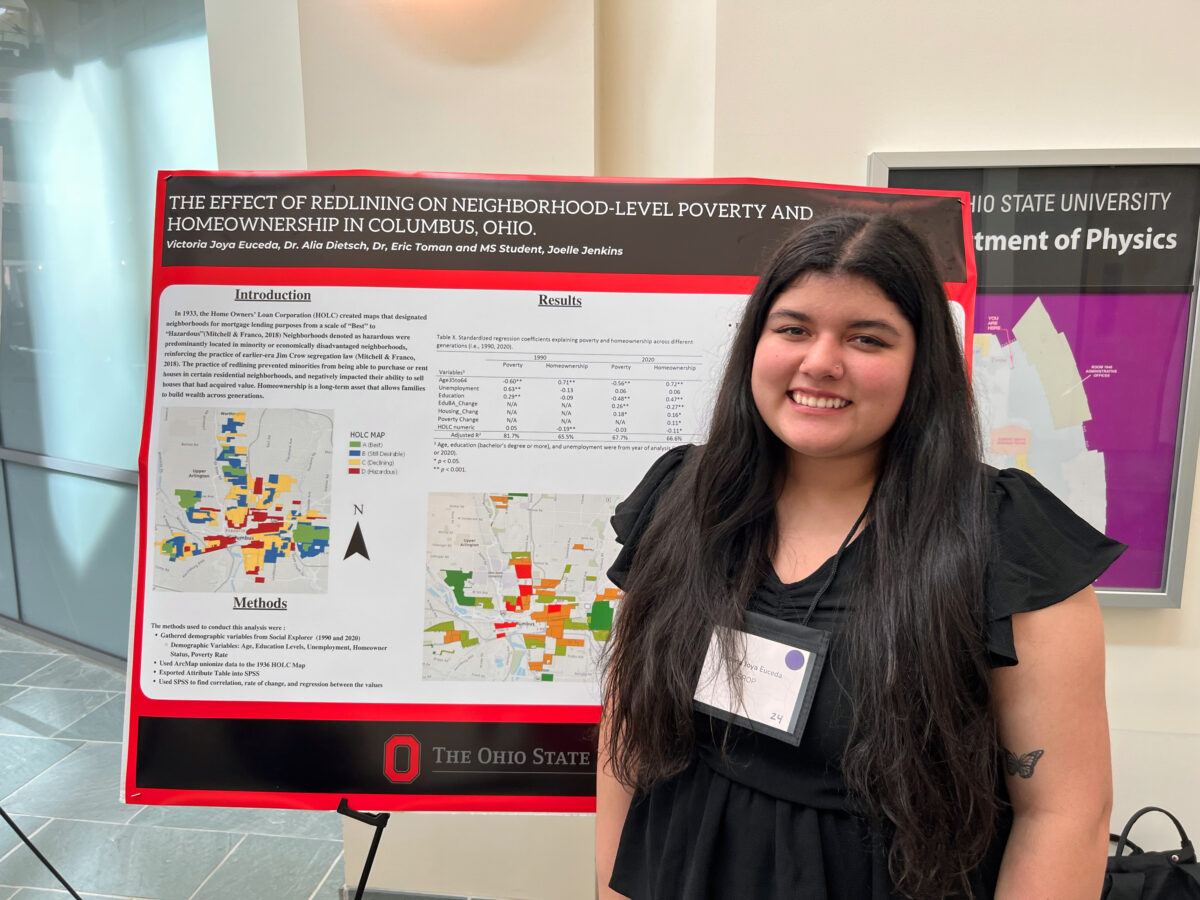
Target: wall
x,y
655,88
808,89
459,86
769,89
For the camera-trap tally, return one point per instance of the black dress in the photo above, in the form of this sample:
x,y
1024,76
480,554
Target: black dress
x,y
770,821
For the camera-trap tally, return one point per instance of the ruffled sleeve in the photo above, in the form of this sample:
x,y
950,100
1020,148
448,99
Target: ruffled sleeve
x,y
1043,553
632,515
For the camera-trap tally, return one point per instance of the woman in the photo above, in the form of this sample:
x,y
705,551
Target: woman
x,y
957,743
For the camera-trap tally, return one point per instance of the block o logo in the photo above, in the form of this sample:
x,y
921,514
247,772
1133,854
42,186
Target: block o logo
x,y
407,771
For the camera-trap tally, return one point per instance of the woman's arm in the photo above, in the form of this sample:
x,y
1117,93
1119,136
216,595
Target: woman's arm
x,y
612,803
1053,727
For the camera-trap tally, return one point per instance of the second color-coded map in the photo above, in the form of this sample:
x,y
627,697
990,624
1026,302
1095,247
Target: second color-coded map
x,y
515,586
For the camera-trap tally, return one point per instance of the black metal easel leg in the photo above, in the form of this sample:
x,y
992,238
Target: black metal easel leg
x,y
46,862
379,820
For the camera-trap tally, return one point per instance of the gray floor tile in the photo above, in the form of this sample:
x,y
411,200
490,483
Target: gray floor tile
x,y
45,711
104,723
23,758
8,837
331,887
85,785
16,665
63,791
10,640
325,825
271,868
73,672
124,861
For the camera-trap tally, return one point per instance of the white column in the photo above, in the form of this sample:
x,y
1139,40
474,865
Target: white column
x,y
504,86
656,85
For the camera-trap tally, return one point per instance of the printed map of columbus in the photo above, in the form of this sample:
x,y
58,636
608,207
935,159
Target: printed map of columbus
x,y
515,586
242,500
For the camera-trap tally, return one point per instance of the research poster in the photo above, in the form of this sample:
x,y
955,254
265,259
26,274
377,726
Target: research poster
x,y
1086,279
388,419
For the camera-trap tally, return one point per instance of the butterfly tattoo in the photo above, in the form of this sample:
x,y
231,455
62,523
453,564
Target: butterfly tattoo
x,y
1022,765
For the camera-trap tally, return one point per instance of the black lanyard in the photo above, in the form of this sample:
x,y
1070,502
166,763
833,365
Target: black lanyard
x,y
837,558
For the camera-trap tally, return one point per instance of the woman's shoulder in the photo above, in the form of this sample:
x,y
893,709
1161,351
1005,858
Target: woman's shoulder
x,y
1027,517
639,505
1042,552
1016,492
632,515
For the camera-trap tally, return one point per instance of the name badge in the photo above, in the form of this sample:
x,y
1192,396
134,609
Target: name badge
x,y
781,664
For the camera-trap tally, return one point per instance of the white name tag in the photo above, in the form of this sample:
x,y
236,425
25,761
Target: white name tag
x,y
778,676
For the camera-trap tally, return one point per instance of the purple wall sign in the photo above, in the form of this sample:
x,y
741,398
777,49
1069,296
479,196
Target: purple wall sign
x,y
1129,350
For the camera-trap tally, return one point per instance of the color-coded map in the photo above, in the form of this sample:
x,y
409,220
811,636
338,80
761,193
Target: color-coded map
x,y
515,586
243,500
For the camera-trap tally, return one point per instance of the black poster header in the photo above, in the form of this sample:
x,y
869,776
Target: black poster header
x,y
548,225
355,757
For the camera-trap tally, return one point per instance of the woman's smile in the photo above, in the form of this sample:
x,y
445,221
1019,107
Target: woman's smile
x,y
812,401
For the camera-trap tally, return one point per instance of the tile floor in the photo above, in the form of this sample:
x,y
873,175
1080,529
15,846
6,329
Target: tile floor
x,y
60,761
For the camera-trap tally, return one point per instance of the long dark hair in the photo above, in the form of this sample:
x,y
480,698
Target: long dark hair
x,y
921,756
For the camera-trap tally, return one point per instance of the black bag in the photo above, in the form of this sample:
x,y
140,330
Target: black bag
x,y
1153,875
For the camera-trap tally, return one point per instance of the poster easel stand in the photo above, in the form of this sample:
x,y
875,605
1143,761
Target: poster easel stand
x,y
379,820
38,853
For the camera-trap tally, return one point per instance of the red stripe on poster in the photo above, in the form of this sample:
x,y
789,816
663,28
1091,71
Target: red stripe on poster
x,y
392,802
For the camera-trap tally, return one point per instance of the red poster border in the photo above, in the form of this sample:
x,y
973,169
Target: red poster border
x,y
163,277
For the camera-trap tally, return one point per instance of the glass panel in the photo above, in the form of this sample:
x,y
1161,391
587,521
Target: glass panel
x,y
8,584
87,138
73,541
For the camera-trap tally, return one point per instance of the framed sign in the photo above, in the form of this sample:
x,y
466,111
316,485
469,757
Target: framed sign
x,y
1083,360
